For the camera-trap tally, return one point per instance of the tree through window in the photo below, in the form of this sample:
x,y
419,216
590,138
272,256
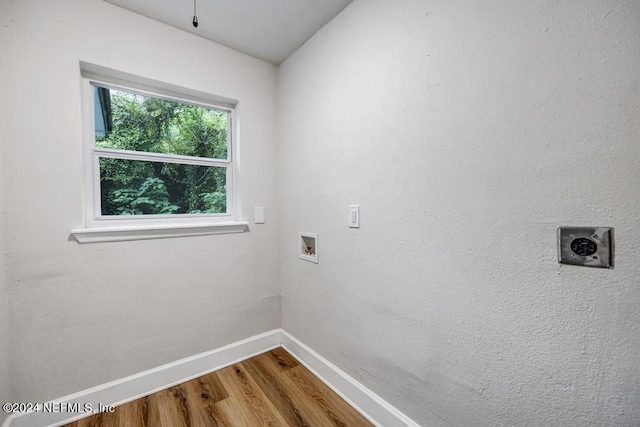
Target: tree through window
x,y
159,156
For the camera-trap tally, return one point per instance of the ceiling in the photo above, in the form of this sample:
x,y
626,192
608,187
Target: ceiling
x,y
267,29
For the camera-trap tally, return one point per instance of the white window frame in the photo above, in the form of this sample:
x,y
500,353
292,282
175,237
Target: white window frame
x,y
99,228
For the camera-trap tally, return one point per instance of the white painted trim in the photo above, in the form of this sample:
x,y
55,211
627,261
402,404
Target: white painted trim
x,y
119,78
94,222
113,153
373,407
160,231
139,385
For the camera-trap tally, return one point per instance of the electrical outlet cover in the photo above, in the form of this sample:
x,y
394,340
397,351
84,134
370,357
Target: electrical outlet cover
x,y
354,216
586,246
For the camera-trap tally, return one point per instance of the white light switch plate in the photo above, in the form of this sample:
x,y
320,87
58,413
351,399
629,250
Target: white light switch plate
x,y
354,216
258,215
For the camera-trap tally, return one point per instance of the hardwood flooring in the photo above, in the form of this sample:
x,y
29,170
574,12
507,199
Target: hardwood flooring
x,y
272,389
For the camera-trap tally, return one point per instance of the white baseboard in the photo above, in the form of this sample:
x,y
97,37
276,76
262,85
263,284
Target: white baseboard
x,y
136,386
372,406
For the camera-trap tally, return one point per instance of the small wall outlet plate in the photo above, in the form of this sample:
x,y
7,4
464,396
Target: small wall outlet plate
x,y
586,246
308,246
258,215
354,216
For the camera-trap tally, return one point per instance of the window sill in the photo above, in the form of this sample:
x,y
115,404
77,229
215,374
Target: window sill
x,y
120,234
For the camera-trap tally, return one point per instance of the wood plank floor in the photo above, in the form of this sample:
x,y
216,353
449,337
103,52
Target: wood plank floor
x,y
272,389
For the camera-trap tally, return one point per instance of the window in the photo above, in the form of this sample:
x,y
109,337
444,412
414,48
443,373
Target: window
x,y
159,159
157,156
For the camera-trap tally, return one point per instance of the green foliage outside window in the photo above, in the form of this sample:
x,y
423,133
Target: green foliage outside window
x,y
151,125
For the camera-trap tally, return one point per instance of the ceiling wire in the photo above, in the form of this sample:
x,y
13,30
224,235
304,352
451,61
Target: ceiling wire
x,y
195,16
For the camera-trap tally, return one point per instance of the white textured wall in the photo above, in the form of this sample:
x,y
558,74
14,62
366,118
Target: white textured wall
x,y
4,350
467,131
4,308
82,315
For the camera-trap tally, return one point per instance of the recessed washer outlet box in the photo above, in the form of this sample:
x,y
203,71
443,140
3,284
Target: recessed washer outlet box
x,y
308,246
586,246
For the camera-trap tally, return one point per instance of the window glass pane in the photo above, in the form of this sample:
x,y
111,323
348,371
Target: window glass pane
x,y
129,121
135,187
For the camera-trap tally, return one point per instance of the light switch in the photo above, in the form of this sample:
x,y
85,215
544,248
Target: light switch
x,y
258,215
354,216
